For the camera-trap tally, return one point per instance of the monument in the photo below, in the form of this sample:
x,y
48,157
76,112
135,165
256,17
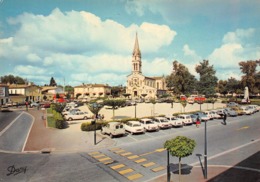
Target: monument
x,y
246,96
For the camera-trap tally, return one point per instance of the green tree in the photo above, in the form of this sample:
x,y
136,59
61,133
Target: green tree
x,y
12,79
181,81
53,82
208,80
180,147
114,103
250,77
95,107
184,104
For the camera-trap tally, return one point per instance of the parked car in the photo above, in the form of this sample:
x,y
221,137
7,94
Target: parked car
x,y
162,122
149,125
113,129
238,110
209,114
232,104
193,118
186,119
69,110
230,112
202,116
253,107
77,115
174,121
134,127
246,110
220,112
215,114
34,104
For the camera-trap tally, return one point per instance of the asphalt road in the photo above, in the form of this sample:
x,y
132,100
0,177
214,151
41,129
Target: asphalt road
x,y
140,157
13,136
6,118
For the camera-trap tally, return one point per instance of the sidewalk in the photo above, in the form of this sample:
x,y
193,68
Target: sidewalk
x,y
66,140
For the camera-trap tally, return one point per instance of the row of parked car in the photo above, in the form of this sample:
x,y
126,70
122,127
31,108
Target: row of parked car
x,y
155,124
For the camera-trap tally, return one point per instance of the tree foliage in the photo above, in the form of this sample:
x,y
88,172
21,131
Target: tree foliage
x,y
95,107
208,80
181,81
180,147
53,82
12,79
251,76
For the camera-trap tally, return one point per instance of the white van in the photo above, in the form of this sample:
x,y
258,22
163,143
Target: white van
x,y
186,119
113,129
149,125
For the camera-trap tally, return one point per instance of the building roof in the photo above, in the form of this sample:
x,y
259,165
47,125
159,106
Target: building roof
x,y
91,85
13,86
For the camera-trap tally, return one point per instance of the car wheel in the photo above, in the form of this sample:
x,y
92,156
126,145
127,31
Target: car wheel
x,y
85,118
70,119
131,133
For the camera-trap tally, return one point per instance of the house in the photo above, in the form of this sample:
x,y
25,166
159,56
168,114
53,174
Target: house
x,y
51,92
4,94
24,92
87,91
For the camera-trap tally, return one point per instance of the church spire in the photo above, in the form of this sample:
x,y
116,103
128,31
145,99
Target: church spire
x,y
136,51
136,58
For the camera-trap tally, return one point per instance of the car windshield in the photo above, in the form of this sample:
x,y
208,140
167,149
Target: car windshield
x,y
163,121
136,125
149,122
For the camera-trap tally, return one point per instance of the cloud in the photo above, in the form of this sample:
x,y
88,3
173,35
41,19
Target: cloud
x,y
78,45
238,35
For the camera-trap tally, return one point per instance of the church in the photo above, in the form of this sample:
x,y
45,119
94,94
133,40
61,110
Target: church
x,y
139,85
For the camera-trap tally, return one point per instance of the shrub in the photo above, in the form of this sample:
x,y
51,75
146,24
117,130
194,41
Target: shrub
x,y
91,127
60,124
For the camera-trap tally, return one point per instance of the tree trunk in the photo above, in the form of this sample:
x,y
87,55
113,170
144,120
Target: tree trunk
x,y
113,113
179,169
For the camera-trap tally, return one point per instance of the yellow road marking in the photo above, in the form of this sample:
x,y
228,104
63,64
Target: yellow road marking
x,y
126,171
140,160
135,176
104,159
160,150
147,153
133,157
119,151
158,169
245,127
107,162
117,166
125,154
98,156
93,153
148,164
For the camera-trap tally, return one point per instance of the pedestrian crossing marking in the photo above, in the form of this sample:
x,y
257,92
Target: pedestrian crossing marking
x,y
99,156
119,151
133,157
160,150
129,170
148,164
117,166
104,159
158,169
125,154
107,162
135,176
94,153
140,160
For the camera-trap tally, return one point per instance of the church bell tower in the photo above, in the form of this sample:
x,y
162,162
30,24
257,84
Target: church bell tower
x,y
136,58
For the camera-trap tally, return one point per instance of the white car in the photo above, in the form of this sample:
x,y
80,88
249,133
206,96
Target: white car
x,y
69,110
134,127
149,125
77,115
246,110
174,121
215,114
113,129
253,107
209,114
162,122
186,119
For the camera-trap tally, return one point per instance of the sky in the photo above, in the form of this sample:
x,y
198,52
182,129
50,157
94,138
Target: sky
x,y
86,41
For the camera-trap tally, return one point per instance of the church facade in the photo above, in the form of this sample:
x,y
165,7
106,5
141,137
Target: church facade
x,y
139,85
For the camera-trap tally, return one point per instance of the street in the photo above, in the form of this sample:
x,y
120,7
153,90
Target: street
x,y
142,157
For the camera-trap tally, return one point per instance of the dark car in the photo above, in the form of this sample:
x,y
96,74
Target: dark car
x,y
230,112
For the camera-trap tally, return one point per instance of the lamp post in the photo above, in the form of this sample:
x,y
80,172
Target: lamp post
x,y
205,152
135,109
168,167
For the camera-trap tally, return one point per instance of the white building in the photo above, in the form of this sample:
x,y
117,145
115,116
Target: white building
x,y
4,94
87,91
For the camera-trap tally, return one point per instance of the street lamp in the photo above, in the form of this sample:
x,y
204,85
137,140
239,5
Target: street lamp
x,y
205,152
135,109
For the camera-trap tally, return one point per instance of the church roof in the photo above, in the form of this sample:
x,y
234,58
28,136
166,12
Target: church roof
x,y
136,51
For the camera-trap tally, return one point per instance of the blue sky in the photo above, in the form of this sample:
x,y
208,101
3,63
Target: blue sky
x,y
88,41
